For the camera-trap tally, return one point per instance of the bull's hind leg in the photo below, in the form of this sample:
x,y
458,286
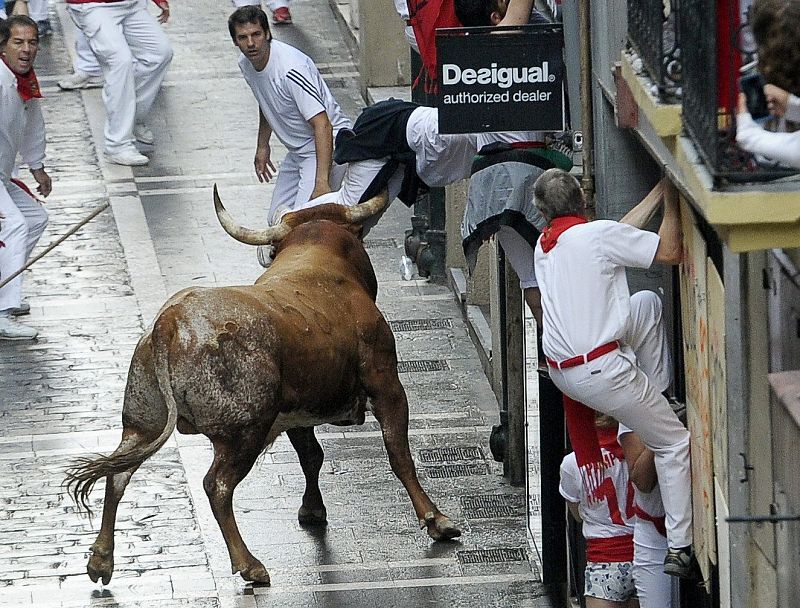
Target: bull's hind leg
x,y
233,459
101,562
312,512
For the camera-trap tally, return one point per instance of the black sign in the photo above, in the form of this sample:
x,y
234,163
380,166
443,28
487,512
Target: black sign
x,y
493,79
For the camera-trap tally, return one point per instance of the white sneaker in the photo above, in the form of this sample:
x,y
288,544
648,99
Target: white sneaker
x,y
81,80
264,254
128,156
143,134
11,329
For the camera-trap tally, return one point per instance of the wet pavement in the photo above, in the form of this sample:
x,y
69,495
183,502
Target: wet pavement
x,y
60,396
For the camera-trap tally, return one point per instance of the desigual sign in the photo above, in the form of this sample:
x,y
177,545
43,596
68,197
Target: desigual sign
x,y
501,80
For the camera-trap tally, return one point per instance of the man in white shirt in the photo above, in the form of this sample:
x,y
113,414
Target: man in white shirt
x,y
21,132
607,349
296,104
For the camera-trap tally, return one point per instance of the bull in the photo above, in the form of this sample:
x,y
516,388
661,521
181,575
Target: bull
x,y
305,345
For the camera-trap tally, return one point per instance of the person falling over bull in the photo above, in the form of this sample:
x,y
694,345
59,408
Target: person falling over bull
x,y
499,196
605,348
296,104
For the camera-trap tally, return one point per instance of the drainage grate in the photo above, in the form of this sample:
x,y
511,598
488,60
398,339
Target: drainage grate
x,y
489,556
449,471
450,454
425,365
490,506
380,243
420,324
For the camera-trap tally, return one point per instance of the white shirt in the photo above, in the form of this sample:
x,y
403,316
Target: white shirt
x,y
441,159
290,91
597,515
509,137
585,293
778,146
21,127
645,532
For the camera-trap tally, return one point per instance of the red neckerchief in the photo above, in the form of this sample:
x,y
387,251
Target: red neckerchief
x,y
607,437
27,85
556,227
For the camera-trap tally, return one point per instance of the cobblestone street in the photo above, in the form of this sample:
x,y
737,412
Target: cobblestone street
x,y
91,299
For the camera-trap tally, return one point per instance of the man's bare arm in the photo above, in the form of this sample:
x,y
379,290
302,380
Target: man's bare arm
x,y
517,13
263,163
641,463
323,145
642,213
670,247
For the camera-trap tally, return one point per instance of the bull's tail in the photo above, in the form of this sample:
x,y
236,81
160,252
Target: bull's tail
x,y
81,477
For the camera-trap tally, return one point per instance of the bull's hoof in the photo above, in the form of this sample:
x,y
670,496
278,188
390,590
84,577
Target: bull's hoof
x,y
312,517
100,566
255,574
439,527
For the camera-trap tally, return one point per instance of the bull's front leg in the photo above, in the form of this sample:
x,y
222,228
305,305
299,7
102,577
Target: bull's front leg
x,y
312,512
390,407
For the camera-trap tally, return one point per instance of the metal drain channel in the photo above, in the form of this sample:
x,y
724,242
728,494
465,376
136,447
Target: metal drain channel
x,y
450,454
450,471
420,324
490,506
380,243
424,365
489,556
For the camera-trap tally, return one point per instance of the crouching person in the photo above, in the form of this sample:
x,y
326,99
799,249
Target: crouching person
x,y
607,516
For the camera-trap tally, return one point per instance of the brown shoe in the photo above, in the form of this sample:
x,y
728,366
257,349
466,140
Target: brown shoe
x,y
281,16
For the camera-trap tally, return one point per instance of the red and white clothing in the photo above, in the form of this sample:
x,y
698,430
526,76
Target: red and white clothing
x,y
21,132
607,523
290,91
653,586
133,52
587,304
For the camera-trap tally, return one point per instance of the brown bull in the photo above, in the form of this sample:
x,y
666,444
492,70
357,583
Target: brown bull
x,y
305,345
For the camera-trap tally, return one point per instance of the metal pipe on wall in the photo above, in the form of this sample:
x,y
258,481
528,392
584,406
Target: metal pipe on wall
x,y
587,122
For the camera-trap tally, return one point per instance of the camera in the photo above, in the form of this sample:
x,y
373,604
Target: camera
x,y
752,85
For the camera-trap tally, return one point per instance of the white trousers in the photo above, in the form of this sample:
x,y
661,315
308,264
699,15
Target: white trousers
x,y
271,4
520,255
653,585
25,220
295,183
85,61
38,10
118,34
627,384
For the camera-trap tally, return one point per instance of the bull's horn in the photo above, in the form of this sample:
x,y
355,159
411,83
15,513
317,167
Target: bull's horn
x,y
265,236
365,210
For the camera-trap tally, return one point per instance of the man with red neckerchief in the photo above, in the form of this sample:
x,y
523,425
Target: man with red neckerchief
x,y
605,348
21,132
